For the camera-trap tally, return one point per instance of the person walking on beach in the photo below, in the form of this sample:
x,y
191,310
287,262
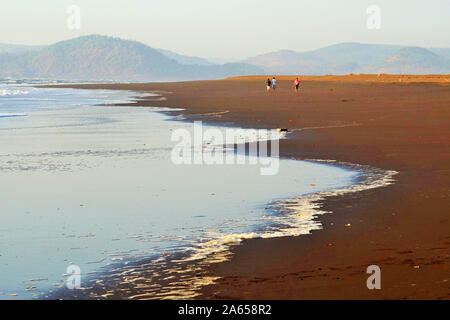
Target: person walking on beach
x,y
274,83
296,84
268,84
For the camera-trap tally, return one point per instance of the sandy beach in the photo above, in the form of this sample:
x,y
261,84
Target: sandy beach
x,y
396,123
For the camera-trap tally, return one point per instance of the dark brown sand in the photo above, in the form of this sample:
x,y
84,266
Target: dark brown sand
x,y
389,122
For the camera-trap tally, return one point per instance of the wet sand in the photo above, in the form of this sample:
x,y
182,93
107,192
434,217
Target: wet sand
x,y
399,123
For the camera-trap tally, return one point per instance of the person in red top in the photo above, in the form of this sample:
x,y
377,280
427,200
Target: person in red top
x,y
296,84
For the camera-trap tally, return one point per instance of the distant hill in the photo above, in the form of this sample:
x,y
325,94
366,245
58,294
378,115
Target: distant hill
x,y
444,52
188,60
412,60
105,58
15,48
348,58
222,60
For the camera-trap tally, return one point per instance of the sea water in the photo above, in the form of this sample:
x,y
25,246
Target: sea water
x,y
86,184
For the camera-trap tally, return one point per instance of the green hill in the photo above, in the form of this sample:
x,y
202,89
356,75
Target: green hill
x,y
187,60
414,60
105,58
348,58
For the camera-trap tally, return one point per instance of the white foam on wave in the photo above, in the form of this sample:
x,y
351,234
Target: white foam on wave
x,y
13,92
10,115
296,216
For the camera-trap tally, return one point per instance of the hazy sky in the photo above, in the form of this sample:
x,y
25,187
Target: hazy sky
x,y
230,28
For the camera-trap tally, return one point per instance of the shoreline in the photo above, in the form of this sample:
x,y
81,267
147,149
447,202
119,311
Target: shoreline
x,y
380,232
182,260
179,274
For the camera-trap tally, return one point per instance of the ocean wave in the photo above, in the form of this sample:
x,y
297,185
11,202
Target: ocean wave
x,y
13,92
297,216
293,217
181,276
11,115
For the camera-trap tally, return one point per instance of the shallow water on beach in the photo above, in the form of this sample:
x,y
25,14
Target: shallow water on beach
x,y
95,185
